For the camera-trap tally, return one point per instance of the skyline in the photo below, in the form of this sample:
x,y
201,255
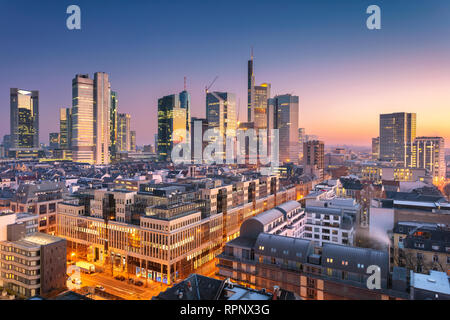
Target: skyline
x,y
403,67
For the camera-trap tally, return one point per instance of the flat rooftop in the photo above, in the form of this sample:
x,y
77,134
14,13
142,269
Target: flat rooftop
x,y
435,282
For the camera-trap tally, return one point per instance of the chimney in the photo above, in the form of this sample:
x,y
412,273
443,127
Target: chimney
x,y
276,292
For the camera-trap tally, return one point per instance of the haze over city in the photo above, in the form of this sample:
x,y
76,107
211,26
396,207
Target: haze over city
x,y
344,74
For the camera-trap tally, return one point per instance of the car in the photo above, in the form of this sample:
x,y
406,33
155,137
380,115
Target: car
x,y
120,278
131,280
99,287
139,283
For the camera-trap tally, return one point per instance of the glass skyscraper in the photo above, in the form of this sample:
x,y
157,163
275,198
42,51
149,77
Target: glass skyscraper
x,y
397,133
24,119
171,119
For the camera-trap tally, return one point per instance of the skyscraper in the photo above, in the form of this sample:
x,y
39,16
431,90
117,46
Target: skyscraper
x,y
171,125
102,107
54,140
123,132
397,133
251,89
65,128
221,112
429,153
285,119
133,141
24,119
113,124
91,105
260,112
185,103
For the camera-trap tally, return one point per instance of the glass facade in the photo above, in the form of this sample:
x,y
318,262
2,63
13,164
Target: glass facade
x,y
24,121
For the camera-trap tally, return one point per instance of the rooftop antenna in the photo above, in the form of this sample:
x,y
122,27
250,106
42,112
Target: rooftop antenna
x,y
185,83
252,53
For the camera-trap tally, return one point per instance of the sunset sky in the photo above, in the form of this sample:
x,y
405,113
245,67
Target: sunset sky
x,y
322,51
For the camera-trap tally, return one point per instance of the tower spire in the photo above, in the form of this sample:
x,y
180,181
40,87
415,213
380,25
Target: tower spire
x,y
185,83
252,53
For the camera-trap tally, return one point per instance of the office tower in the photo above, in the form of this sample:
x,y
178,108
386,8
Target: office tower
x,y
285,119
261,95
185,103
429,153
65,128
123,132
251,89
171,125
397,133
113,124
102,107
375,148
221,112
24,119
301,140
90,118
133,141
313,157
201,125
54,140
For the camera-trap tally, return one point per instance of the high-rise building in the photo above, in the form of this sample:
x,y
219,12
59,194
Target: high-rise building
x,y
397,133
24,119
376,148
221,112
113,124
54,140
185,103
65,128
429,153
314,157
133,141
285,119
171,124
260,112
257,99
198,129
91,105
251,89
123,132
102,107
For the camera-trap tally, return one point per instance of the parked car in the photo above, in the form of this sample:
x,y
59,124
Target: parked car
x,y
130,280
99,287
120,278
139,283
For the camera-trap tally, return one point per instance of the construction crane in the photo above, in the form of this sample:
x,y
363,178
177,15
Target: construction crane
x,y
209,87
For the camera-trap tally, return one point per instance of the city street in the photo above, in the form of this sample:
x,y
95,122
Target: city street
x,y
122,289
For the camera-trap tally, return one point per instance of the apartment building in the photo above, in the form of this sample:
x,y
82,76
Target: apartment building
x,y
332,221
421,247
34,264
330,272
40,199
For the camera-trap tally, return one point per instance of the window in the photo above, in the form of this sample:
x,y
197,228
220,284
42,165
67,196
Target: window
x,y
435,258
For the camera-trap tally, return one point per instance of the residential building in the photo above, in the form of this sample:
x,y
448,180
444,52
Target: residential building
x,y
314,158
429,153
34,264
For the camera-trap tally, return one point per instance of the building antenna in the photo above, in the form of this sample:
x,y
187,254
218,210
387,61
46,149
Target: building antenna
x,y
252,53
185,83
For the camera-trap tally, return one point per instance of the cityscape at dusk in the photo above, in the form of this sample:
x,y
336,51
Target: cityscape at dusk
x,y
231,153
